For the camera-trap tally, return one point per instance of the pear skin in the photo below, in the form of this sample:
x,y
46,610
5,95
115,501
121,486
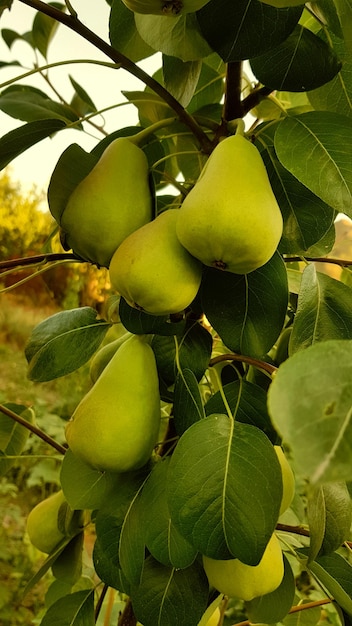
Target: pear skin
x,y
116,425
168,8
153,271
102,357
112,201
230,219
42,523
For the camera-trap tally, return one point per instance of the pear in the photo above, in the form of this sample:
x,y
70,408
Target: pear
x,y
112,201
230,219
236,579
116,425
288,480
42,523
152,271
102,357
169,8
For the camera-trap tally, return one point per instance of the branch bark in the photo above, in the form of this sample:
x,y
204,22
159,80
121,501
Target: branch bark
x,y
33,429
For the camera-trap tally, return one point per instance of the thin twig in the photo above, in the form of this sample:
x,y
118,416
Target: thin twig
x,y
318,259
34,429
263,365
296,609
39,258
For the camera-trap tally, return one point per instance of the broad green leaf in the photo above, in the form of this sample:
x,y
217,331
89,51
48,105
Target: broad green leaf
x,y
190,159
300,63
151,107
338,513
162,539
13,436
107,569
131,552
179,37
325,139
210,87
344,12
326,10
81,101
336,95
24,103
187,402
225,488
323,310
141,323
248,311
124,35
17,141
335,574
76,609
44,28
190,350
316,517
247,402
273,607
170,597
63,342
244,29
312,410
68,565
5,4
181,77
10,36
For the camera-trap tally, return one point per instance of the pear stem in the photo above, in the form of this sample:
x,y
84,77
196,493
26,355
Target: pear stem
x,y
77,26
34,429
262,365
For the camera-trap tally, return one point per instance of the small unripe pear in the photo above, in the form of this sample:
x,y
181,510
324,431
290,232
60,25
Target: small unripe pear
x,y
288,480
112,201
168,8
42,523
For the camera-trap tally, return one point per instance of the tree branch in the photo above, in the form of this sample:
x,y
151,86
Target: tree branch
x,y
39,258
318,259
232,104
72,22
34,429
263,365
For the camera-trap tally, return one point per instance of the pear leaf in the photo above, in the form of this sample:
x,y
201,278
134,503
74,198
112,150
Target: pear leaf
x,y
312,410
13,436
218,469
63,342
323,310
19,140
44,28
124,35
107,568
273,607
132,541
335,574
327,136
30,105
181,78
170,597
188,405
338,513
248,311
76,609
316,516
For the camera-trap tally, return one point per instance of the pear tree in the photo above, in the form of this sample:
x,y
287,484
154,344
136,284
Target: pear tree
x,y
212,455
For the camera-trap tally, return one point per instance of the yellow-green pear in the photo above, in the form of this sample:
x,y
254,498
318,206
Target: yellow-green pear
x,y
116,425
288,480
112,201
236,579
169,8
102,357
153,271
42,523
230,219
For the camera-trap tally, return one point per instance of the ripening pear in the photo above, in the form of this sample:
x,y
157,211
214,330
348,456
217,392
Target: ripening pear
x,y
112,201
236,579
116,425
153,271
102,357
230,219
169,8
42,523
288,480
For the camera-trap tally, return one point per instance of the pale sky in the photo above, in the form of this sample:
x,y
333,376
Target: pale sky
x,y
103,85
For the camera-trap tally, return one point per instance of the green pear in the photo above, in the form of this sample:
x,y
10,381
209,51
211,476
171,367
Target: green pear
x,y
102,357
288,480
42,523
169,8
116,425
230,219
153,271
112,201
236,579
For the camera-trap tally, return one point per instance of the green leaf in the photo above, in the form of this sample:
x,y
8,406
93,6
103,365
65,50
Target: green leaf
x,y
13,436
162,539
344,12
5,4
246,28
181,77
335,574
336,95
107,569
63,342
170,597
179,37
247,402
81,101
316,520
44,28
329,517
273,607
124,35
26,103
218,470
312,410
210,87
68,565
151,107
17,141
327,138
323,310
248,311
187,402
76,609
131,552
300,63
10,36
